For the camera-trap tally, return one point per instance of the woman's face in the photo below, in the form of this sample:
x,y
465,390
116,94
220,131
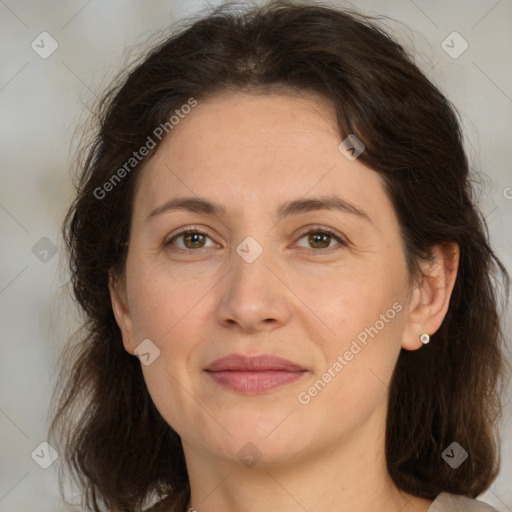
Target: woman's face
x,y
302,260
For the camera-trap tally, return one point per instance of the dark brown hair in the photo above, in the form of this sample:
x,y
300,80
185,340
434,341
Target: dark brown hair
x,y
119,449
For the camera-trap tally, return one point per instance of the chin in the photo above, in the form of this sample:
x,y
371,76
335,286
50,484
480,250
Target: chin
x,y
269,442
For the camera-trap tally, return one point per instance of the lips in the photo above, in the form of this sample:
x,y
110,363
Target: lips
x,y
242,363
252,375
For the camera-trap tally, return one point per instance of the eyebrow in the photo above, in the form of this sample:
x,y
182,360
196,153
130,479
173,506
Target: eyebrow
x,y
295,207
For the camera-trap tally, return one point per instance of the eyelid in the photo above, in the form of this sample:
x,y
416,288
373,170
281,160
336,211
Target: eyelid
x,y
305,231
343,242
184,230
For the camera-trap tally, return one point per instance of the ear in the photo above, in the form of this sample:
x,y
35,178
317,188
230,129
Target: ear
x,y
430,296
117,288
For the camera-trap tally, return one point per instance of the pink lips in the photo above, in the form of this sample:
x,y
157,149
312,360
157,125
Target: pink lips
x,y
254,375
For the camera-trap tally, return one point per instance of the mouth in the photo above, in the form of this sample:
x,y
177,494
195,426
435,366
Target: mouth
x,y
253,375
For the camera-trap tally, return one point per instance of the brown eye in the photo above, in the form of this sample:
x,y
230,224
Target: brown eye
x,y
191,239
321,239
194,239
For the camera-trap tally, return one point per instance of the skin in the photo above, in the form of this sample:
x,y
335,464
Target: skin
x,y
251,153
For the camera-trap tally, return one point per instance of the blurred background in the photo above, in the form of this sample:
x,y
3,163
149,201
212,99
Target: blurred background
x,y
56,59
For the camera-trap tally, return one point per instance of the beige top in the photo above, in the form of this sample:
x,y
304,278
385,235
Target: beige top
x,y
445,502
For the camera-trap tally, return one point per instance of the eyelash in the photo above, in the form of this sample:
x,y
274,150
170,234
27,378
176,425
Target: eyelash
x,y
316,229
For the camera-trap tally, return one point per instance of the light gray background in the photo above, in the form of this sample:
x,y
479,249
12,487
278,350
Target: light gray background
x,y
42,102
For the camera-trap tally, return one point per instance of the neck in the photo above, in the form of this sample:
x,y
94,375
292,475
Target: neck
x,y
350,476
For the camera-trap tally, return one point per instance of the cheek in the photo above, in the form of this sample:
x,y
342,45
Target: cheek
x,y
169,311
166,312
161,302
348,300
359,360
364,310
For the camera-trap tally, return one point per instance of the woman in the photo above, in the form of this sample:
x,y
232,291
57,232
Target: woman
x,y
289,291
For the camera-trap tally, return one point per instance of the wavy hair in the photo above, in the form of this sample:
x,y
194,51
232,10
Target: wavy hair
x,y
118,448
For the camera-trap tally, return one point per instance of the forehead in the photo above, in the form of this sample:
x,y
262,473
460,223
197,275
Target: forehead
x,y
247,148
234,126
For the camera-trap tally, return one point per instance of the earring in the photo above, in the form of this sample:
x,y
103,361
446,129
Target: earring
x,y
424,338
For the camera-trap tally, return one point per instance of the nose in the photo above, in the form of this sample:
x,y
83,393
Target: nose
x,y
254,294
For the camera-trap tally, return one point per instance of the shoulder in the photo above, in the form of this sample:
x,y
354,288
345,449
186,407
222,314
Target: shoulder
x,y
447,502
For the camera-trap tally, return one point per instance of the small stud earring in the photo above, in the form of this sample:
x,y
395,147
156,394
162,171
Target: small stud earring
x,y
424,338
